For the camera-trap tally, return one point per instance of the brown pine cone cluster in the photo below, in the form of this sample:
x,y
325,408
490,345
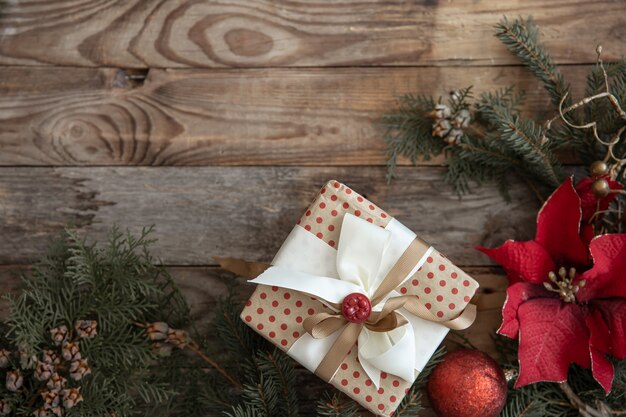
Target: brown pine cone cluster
x,y
52,368
165,338
447,126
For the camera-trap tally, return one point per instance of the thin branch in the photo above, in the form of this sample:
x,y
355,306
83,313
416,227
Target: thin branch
x,y
193,346
584,409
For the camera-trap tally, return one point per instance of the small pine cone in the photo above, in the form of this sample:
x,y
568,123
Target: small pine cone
x,y
57,411
86,328
4,358
56,382
461,119
454,137
5,408
79,369
14,380
71,351
442,128
43,371
59,335
178,338
71,397
51,400
40,412
440,112
50,357
157,331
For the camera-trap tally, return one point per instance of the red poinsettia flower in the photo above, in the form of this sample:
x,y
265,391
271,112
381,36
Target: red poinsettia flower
x,y
566,301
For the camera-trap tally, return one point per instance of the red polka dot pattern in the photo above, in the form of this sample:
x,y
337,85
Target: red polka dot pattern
x,y
278,314
442,286
352,380
323,218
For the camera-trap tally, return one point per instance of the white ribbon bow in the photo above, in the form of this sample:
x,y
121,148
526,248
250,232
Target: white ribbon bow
x,y
364,256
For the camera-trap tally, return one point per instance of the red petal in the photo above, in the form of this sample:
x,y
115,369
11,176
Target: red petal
x,y
553,335
589,202
516,295
599,347
607,278
558,226
614,314
522,261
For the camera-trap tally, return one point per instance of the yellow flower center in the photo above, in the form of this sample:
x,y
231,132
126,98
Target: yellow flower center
x,y
563,284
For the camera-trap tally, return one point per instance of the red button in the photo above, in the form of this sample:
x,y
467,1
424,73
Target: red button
x,y
356,307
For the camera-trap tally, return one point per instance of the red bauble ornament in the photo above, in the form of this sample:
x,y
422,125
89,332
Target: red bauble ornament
x,y
467,383
356,307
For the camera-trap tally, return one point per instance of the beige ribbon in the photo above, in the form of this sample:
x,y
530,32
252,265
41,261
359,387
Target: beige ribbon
x,y
322,325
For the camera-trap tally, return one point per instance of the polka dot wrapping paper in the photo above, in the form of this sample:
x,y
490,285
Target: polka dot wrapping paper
x,y
278,314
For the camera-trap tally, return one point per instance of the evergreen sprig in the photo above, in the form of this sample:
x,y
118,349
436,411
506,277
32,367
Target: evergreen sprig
x,y
521,37
408,132
336,405
113,287
500,142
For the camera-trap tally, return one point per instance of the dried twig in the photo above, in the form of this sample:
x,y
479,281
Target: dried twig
x,y
584,409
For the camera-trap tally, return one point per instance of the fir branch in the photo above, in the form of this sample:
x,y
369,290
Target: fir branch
x,y
263,396
521,37
246,410
279,367
336,405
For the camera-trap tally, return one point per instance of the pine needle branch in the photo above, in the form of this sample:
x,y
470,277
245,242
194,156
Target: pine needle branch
x,y
336,405
521,37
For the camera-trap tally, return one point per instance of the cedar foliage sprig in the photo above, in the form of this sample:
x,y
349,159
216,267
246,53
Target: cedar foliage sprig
x,y
120,287
112,286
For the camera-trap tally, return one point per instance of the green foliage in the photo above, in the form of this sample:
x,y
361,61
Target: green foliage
x,y
117,285
500,143
336,405
408,132
521,37
507,145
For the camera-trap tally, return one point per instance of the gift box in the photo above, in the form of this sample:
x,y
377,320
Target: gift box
x,y
359,299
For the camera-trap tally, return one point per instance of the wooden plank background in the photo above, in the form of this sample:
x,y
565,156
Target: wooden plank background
x,y
219,120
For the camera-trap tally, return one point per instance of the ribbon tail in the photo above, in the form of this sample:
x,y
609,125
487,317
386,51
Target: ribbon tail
x,y
415,307
464,320
242,268
338,351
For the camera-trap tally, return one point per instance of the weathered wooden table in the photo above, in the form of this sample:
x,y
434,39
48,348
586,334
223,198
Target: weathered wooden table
x,y
219,120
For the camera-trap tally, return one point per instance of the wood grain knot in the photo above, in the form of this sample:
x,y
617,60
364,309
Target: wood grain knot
x,y
246,42
106,130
